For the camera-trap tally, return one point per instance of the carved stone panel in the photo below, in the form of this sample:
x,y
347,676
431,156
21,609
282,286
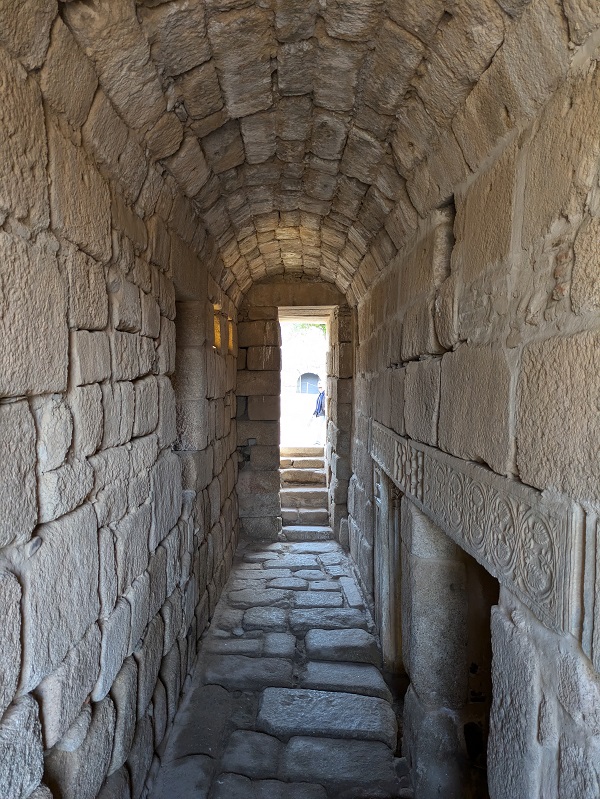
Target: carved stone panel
x,y
532,543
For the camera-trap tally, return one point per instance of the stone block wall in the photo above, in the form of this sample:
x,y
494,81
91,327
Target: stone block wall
x,y
118,515
480,339
258,413
340,372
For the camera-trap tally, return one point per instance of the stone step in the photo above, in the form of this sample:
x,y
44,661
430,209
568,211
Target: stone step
x,y
303,476
305,516
306,532
302,463
302,452
287,713
301,497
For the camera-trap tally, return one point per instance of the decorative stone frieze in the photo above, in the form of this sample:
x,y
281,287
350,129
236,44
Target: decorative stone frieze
x,y
532,543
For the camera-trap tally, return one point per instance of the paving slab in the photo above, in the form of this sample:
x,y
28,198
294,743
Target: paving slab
x,y
353,678
253,754
310,574
253,647
354,646
185,779
279,645
238,672
314,547
352,592
293,562
326,619
340,764
273,619
288,584
318,599
251,598
287,712
201,723
324,585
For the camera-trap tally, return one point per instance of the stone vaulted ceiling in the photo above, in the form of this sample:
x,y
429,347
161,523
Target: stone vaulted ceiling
x,y
296,127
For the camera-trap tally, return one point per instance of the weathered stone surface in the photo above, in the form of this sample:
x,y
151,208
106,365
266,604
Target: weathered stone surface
x,y
513,736
26,30
265,618
340,763
60,592
253,754
17,472
68,79
177,35
236,672
557,431
285,713
21,751
79,774
317,599
123,693
79,197
329,619
10,638
22,138
62,694
36,323
355,646
483,379
354,678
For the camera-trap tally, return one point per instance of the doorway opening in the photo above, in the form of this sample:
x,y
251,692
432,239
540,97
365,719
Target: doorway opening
x,y
304,345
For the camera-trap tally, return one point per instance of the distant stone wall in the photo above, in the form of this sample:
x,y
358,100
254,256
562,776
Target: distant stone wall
x,y
481,339
113,545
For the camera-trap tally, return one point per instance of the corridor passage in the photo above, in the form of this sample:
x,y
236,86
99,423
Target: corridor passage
x,y
287,701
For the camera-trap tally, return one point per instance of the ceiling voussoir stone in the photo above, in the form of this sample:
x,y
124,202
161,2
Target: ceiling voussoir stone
x,y
306,137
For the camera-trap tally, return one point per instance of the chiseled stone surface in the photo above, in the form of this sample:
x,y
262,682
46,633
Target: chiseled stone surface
x,y
254,694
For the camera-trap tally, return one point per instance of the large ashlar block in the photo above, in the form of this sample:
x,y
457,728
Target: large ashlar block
x,y
258,383
77,772
569,147
264,408
259,334
418,331
422,400
35,322
484,219
177,35
112,37
68,78
189,276
558,434
476,406
18,500
434,747
90,357
514,754
166,497
192,425
79,197
88,303
427,264
21,752
23,156
263,433
244,70
25,29
62,694
60,592
268,358
10,638
64,489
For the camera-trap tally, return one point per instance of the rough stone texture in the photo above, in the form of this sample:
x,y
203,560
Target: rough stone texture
x,y
10,594
36,322
21,752
79,773
60,600
17,472
22,149
475,378
557,431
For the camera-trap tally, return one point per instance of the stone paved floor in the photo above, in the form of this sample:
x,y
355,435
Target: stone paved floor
x,y
287,701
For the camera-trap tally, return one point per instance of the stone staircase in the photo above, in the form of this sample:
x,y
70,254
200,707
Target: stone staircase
x,y
304,495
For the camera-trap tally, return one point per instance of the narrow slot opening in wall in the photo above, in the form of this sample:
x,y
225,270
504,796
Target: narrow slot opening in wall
x,y
217,327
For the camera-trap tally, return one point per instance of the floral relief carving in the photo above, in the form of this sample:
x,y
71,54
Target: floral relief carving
x,y
518,537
